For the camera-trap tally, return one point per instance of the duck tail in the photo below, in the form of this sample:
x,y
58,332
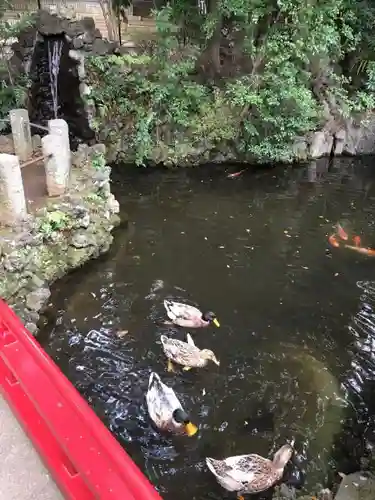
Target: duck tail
x,y
154,380
163,339
168,304
213,464
190,340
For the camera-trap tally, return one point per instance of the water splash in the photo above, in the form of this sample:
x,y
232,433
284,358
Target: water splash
x,y
54,57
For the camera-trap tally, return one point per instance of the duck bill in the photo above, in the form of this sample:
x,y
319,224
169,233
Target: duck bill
x,y
216,361
191,429
216,323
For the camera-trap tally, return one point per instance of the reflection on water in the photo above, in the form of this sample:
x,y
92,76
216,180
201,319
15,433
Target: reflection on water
x,y
297,319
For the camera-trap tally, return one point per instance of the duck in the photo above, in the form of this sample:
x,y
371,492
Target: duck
x,y
189,316
186,354
165,409
250,473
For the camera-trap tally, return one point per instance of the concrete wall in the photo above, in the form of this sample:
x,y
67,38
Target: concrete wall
x,y
86,8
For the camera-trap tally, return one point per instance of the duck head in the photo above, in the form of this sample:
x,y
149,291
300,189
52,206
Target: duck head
x,y
211,318
209,356
283,455
181,417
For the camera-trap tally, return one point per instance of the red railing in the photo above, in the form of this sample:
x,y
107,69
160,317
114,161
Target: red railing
x,y
83,457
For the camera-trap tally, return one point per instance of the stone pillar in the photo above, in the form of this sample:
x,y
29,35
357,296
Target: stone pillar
x,y
56,163
60,127
20,123
12,196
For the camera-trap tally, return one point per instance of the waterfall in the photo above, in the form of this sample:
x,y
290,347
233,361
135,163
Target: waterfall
x,y
54,56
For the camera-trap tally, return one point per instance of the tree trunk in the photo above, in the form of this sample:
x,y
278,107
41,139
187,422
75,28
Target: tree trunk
x,y
210,58
109,18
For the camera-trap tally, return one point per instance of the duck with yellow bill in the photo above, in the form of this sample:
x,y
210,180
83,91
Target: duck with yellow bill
x,y
165,409
189,316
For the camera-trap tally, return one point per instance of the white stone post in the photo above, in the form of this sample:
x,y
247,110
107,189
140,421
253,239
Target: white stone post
x,y
12,196
20,123
56,163
60,127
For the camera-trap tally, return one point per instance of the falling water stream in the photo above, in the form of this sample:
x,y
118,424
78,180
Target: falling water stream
x,y
54,57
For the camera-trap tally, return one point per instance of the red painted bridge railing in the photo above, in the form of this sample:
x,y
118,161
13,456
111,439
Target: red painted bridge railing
x,y
83,457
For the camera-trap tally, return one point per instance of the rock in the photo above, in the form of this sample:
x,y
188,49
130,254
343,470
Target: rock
x,y
84,222
300,149
113,205
73,28
284,492
28,264
49,24
16,261
360,138
101,47
88,23
84,89
31,316
89,38
356,486
321,144
36,282
80,240
101,176
325,494
31,327
37,299
98,149
78,43
77,256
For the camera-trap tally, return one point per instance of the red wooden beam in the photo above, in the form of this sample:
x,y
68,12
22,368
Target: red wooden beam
x,y
84,458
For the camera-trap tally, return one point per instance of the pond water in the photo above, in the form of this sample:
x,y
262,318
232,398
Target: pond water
x,y
297,319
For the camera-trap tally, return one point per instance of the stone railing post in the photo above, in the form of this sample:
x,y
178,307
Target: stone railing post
x,y
12,196
20,123
56,163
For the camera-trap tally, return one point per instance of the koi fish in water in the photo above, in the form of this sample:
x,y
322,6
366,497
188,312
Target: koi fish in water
x,y
235,174
333,241
357,241
364,251
341,232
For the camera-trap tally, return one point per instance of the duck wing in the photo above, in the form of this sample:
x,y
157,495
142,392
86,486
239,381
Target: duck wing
x,y
240,469
178,310
179,351
161,400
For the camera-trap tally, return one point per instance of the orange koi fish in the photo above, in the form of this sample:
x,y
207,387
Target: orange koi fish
x,y
341,232
235,174
357,241
333,241
364,251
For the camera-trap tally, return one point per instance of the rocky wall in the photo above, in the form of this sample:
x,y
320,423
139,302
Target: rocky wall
x,y
59,237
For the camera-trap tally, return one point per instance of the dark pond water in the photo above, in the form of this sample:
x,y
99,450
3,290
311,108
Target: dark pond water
x,y
297,316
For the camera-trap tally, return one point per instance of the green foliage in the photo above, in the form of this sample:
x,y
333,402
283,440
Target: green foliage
x,y
98,161
247,76
52,222
13,86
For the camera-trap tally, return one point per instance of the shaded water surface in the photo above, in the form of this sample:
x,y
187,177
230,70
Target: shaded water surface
x,y
297,318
